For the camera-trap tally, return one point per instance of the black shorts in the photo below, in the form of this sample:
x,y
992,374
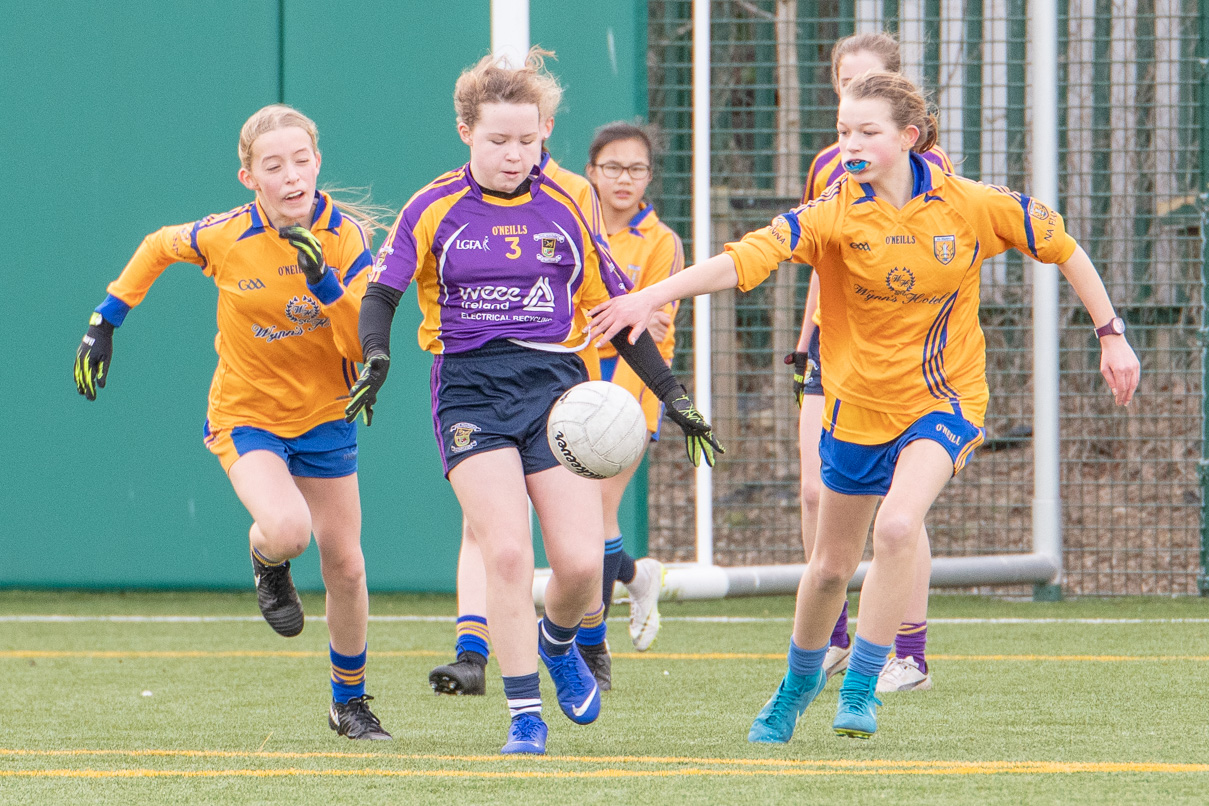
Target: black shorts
x,y
814,384
499,396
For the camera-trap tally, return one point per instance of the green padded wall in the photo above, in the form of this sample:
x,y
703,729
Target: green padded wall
x,y
121,118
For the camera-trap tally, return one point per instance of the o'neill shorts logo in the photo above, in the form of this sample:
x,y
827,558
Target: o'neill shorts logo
x,y
540,297
549,242
944,247
462,440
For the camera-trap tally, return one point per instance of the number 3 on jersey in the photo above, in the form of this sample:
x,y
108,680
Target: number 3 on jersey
x,y
515,251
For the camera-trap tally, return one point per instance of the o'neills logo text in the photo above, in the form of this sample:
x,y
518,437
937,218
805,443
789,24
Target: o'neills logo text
x,y
572,460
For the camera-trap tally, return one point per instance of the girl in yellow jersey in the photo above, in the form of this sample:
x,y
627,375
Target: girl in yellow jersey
x,y
291,269
619,167
908,670
898,246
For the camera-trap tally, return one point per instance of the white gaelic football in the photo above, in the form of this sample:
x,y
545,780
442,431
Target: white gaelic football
x,y
596,429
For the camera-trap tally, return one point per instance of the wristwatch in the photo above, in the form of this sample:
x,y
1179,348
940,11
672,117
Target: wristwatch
x,y
1114,327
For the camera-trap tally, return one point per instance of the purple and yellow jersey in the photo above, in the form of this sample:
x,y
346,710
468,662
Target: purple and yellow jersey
x,y
828,167
899,291
648,251
286,353
526,269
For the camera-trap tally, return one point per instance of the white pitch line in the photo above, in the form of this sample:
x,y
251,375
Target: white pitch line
x,y
249,619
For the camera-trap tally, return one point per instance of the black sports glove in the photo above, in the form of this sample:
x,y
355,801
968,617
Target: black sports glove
x,y
93,356
699,438
310,252
803,369
364,394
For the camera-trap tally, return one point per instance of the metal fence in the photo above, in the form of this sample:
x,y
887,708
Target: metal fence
x,y
1130,93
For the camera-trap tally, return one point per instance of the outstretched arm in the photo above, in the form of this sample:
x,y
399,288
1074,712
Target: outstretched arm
x,y
633,310
1118,363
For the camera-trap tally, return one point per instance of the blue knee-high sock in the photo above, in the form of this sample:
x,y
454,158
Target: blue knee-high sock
x,y
472,636
613,558
592,630
806,662
867,658
348,675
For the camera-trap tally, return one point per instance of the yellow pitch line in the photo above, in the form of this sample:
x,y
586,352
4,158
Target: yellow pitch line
x,y
102,654
816,765
956,768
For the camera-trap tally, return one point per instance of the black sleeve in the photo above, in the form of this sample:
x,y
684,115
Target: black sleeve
x,y
377,312
644,358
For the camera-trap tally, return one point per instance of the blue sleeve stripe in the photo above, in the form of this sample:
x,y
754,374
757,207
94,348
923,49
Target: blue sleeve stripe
x,y
1028,224
363,262
795,230
329,289
113,310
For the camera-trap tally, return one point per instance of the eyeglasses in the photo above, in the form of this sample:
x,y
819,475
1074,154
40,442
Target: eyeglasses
x,y
637,171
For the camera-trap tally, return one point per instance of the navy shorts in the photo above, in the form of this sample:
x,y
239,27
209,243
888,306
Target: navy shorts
x,y
327,451
499,396
814,384
854,469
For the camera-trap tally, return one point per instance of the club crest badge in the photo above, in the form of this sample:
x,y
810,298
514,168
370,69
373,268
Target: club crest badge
x,y
463,437
549,242
945,248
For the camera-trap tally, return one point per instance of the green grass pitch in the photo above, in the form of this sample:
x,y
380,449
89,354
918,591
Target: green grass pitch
x,y
1077,702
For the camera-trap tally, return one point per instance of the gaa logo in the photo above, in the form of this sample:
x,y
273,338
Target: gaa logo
x,y
253,284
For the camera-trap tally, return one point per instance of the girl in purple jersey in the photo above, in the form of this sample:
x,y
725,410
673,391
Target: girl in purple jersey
x,y
506,266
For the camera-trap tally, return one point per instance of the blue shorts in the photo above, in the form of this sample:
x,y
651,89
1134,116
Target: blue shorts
x,y
608,366
854,469
814,384
327,451
499,396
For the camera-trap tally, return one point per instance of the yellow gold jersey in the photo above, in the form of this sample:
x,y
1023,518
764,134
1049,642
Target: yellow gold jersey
x,y
648,251
286,352
827,167
582,191
899,291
